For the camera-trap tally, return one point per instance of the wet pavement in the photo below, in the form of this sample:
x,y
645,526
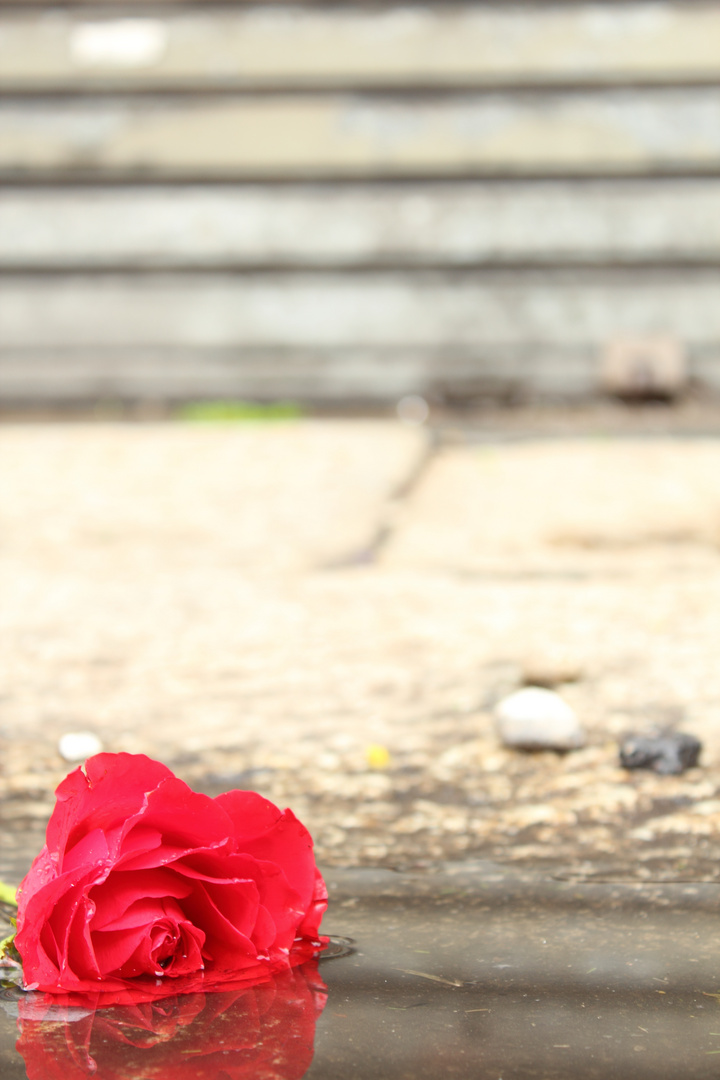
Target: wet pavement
x,y
271,608
265,606
469,970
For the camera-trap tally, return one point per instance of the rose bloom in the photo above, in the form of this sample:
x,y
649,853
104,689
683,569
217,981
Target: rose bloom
x,y
144,882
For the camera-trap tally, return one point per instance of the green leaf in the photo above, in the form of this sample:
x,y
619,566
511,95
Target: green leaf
x,y
7,894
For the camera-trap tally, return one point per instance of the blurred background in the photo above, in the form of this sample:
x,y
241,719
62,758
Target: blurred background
x,y
431,295
346,203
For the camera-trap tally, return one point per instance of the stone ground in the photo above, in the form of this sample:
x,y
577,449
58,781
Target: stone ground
x,y
327,611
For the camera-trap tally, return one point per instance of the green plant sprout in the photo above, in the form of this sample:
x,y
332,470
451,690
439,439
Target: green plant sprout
x,y
234,411
8,953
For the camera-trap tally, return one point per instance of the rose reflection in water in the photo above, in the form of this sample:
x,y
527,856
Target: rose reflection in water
x,y
265,1031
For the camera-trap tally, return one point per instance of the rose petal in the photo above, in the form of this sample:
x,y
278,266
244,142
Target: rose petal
x,y
78,960
273,891
185,818
252,815
166,854
91,850
310,926
144,912
112,788
54,905
139,841
113,948
113,897
280,907
226,945
280,838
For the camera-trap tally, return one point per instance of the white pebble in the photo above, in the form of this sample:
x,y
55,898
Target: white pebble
x,y
78,745
538,719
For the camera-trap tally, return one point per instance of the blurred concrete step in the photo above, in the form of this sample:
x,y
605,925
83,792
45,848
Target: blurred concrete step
x,y
428,45
618,132
355,225
319,335
385,309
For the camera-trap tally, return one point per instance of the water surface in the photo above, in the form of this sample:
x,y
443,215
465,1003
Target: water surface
x,y
473,971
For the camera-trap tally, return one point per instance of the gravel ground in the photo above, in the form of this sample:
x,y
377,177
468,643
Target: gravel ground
x,y
328,611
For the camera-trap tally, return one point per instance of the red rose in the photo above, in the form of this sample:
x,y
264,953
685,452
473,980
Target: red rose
x,y
143,882
261,1031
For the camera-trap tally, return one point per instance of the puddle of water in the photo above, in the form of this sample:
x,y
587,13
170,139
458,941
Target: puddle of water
x,y
484,972
265,1030
475,971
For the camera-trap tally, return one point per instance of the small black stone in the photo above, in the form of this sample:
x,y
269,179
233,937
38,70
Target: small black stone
x,y
669,753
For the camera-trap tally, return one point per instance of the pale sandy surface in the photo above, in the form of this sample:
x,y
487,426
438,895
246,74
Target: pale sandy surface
x,y
260,605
